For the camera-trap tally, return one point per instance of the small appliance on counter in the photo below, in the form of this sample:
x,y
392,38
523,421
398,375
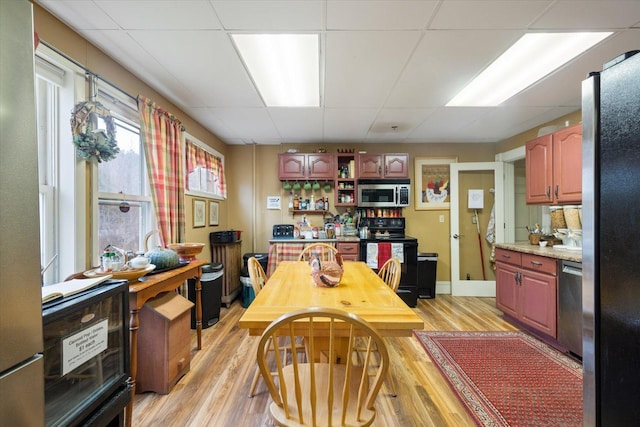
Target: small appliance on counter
x,y
283,231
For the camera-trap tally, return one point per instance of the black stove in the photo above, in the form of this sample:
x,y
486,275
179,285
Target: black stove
x,y
391,230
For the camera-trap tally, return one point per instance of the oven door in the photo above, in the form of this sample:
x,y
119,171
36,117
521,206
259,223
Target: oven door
x,y
408,289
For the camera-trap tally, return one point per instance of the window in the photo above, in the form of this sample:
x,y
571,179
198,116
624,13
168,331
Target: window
x,y
59,83
204,170
123,207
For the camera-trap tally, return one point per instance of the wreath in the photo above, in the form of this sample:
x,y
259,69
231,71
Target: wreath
x,y
99,144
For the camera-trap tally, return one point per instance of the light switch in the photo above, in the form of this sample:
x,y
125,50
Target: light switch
x,y
441,218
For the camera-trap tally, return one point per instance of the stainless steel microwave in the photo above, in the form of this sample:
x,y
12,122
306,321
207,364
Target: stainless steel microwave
x,y
384,193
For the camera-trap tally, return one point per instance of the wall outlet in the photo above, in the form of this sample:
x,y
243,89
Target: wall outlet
x,y
473,220
441,218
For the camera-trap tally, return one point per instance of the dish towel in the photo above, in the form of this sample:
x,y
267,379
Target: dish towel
x,y
384,253
372,255
397,251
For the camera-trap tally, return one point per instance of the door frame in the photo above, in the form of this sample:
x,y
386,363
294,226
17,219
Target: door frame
x,y
477,288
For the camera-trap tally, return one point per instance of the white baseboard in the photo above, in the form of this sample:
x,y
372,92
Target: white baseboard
x,y
443,288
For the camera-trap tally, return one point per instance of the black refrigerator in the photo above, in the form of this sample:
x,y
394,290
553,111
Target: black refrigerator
x,y
611,243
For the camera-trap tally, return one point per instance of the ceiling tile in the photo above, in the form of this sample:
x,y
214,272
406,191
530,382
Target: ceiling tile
x,y
207,61
248,123
491,14
580,15
298,124
162,15
396,124
379,15
362,67
347,124
284,15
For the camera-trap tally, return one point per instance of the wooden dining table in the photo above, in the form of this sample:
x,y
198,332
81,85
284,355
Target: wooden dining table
x,y
360,291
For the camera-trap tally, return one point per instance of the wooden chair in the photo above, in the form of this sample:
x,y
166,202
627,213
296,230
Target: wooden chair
x,y
390,273
324,251
258,280
256,274
323,393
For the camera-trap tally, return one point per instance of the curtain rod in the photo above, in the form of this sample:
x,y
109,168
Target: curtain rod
x,y
88,71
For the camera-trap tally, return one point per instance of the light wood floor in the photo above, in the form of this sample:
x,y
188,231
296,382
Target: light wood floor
x,y
214,392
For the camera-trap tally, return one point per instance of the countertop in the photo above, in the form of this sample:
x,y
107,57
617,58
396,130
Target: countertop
x,y
550,252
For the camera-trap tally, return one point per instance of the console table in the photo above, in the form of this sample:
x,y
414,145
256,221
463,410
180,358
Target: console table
x,y
148,287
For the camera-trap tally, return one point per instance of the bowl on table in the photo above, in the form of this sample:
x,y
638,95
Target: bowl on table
x,y
131,275
186,251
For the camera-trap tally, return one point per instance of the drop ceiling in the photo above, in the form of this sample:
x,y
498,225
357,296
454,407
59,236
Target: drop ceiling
x,y
388,67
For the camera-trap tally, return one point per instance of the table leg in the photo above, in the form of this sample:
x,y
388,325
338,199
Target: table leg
x,y
199,310
134,323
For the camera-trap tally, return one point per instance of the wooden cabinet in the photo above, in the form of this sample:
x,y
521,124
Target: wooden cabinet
x,y
350,251
554,167
306,166
164,343
526,289
385,165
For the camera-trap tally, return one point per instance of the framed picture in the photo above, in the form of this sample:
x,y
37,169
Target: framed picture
x,y
213,213
432,182
199,213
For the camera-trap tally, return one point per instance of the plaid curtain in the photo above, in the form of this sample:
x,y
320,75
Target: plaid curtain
x,y
196,156
161,136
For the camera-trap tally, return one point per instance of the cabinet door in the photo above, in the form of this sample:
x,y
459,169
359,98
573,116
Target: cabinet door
x,y
396,166
507,289
370,166
538,293
539,169
320,166
567,165
291,166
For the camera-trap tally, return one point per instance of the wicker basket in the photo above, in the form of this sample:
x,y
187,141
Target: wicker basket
x,y
534,238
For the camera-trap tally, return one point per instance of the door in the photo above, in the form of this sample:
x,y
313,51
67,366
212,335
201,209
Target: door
x,y
471,270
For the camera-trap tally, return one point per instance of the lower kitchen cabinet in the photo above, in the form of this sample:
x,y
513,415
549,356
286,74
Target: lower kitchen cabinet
x,y
526,290
349,250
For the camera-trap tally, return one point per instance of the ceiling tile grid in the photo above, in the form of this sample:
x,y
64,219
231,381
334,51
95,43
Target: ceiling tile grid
x,y
388,67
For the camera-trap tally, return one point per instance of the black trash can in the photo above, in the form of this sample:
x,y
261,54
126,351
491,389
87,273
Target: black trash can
x,y
247,288
427,266
211,294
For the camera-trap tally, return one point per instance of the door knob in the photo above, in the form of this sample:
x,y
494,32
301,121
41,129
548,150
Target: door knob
x,y
457,236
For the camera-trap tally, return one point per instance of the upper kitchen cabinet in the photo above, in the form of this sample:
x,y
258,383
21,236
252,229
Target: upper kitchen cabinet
x,y
386,165
554,167
304,166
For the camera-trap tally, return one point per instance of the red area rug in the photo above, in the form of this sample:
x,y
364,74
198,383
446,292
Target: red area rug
x,y
508,378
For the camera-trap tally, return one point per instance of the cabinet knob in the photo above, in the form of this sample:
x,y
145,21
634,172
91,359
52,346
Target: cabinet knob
x,y
556,191
549,192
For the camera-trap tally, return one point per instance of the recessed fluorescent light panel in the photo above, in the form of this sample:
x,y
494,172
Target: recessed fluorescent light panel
x,y
284,67
531,58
